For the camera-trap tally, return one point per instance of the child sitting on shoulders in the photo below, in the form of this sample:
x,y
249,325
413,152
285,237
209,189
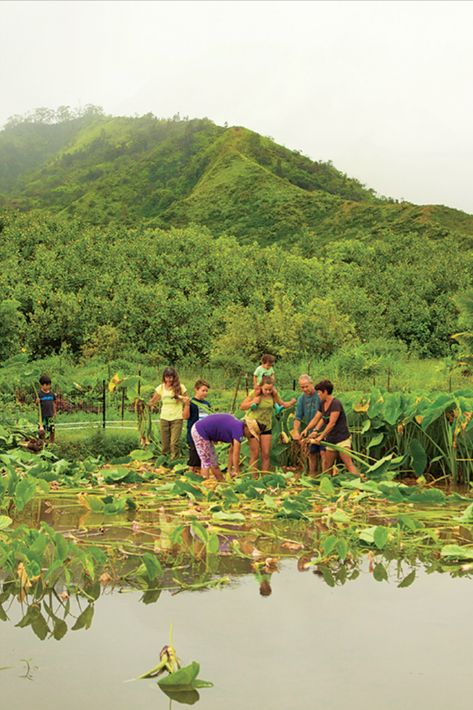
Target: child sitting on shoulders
x,y
198,409
266,369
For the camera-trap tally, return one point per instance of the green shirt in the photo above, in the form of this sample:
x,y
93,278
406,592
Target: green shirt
x,y
261,371
263,412
172,408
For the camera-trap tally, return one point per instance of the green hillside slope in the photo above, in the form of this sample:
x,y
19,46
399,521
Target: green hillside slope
x,y
166,173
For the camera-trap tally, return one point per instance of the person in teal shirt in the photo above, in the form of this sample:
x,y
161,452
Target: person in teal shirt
x,y
306,408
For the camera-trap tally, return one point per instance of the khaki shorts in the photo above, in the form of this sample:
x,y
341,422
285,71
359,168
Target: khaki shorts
x,y
346,444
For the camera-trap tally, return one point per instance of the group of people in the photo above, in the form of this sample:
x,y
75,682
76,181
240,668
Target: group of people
x,y
324,436
320,423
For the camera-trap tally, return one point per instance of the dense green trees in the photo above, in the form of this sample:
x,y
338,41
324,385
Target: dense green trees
x,y
187,296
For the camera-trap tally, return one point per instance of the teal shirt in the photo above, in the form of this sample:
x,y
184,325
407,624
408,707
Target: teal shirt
x,y
261,371
307,406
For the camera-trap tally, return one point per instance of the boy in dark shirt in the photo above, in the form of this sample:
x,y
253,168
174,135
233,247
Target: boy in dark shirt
x,y
47,403
198,409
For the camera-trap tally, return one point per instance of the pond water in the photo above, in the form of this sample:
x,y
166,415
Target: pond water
x,y
365,644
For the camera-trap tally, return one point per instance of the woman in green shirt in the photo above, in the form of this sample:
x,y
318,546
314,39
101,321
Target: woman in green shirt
x,y
175,407
260,404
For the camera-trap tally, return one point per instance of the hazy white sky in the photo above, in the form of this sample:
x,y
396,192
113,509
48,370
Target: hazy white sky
x,y
383,89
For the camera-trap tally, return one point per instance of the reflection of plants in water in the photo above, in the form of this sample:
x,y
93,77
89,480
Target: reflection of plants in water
x,y
28,674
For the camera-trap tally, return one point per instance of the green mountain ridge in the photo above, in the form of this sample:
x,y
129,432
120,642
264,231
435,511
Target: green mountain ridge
x,y
170,172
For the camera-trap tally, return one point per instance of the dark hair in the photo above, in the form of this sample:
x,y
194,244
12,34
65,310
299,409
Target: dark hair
x,y
268,380
176,383
268,358
44,380
201,383
324,386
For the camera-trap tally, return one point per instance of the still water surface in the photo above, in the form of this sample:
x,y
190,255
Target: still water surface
x,y
363,645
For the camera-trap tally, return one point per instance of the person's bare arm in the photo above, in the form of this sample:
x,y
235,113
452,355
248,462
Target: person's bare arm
x,y
330,424
154,400
186,412
313,423
253,398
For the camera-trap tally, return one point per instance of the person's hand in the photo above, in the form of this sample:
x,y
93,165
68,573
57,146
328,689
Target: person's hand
x,y
185,399
303,433
293,401
296,435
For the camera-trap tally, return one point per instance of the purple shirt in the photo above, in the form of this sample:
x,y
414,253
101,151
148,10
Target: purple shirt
x,y
220,427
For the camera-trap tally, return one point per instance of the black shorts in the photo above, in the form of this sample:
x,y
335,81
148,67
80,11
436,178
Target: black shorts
x,y
194,459
264,431
48,425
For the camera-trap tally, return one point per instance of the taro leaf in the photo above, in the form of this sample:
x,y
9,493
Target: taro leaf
x,y
24,492
340,517
184,679
432,496
375,441
456,552
380,536
392,407
329,544
213,544
367,535
5,522
379,573
326,487
409,523
185,697
141,454
342,549
467,516
229,517
407,581
152,566
269,502
84,621
437,409
116,475
418,457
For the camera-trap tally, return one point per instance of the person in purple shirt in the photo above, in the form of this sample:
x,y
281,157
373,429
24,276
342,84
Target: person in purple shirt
x,y
221,428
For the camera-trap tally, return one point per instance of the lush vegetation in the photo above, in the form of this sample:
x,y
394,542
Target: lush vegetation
x,y
187,242
185,296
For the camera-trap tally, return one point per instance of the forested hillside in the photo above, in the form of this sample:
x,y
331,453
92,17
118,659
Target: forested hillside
x,y
190,241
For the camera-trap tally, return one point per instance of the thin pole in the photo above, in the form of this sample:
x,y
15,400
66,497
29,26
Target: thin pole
x,y
236,393
123,403
104,404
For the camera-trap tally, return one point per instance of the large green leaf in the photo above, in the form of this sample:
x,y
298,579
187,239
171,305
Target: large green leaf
x,y
392,410
418,457
185,678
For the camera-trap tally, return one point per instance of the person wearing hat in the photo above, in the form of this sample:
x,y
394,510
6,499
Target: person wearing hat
x,y
260,404
216,428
